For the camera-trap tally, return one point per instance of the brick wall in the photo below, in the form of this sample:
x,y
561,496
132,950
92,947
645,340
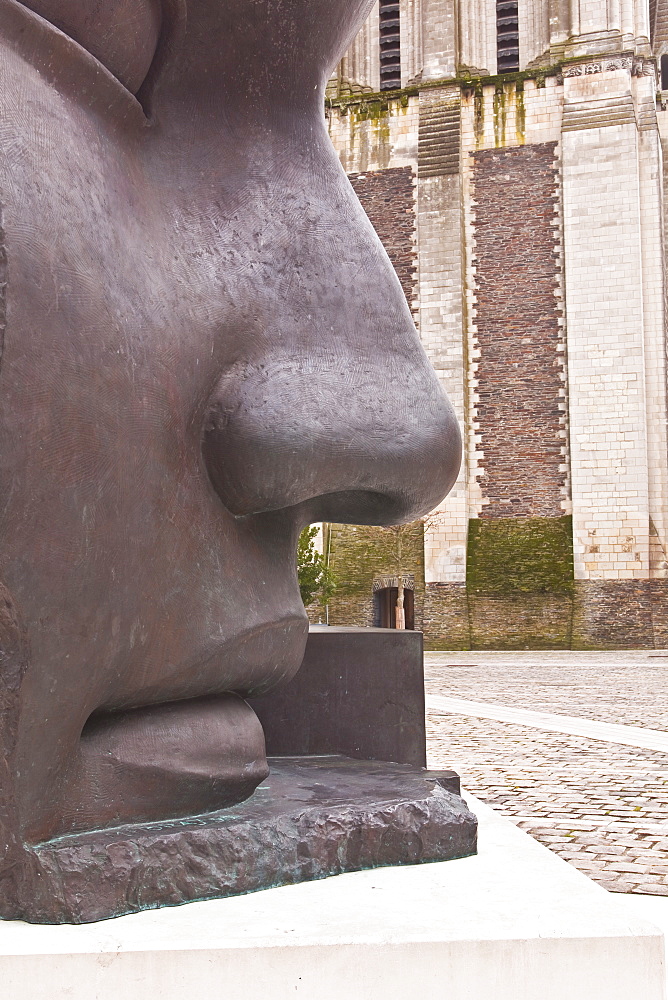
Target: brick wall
x,y
388,198
614,614
520,405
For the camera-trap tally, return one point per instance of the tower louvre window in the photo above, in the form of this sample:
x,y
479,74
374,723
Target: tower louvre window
x,y
507,36
390,46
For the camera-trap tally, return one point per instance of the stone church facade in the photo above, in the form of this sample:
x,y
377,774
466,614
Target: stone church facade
x,y
510,154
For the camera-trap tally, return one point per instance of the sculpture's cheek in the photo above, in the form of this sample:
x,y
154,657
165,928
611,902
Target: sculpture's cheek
x,y
122,34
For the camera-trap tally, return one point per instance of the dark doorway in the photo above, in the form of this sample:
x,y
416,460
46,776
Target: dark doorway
x,y
384,605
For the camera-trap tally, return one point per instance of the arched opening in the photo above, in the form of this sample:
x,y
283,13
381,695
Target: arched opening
x,y
390,45
384,607
507,36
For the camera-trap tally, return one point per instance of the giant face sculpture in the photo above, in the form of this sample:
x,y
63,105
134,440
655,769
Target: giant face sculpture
x,y
205,349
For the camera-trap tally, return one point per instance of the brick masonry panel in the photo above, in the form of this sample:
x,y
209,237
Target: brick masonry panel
x,y
520,408
388,198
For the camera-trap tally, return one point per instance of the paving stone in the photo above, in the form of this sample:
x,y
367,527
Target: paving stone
x,y
619,687
601,806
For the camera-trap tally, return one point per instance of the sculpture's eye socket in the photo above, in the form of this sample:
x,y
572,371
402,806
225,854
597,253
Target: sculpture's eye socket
x,y
122,34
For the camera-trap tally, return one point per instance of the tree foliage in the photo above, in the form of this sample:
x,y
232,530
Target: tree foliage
x,y
316,579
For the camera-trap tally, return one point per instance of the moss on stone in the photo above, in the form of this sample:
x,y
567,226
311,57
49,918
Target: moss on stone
x,y
500,115
520,620
520,555
464,79
358,555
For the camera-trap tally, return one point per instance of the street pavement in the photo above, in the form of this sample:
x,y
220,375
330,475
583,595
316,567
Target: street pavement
x,y
562,744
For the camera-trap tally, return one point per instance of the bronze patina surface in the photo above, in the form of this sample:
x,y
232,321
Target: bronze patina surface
x,y
205,348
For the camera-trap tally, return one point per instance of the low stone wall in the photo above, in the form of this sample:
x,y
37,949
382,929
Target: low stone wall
x,y
598,614
359,555
620,614
521,621
520,592
457,619
446,616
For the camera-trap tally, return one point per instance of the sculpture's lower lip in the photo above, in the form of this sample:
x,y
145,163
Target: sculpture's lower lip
x,y
163,762
249,663
187,745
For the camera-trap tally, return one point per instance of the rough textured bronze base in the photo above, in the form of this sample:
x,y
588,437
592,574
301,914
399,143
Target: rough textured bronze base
x,y
313,817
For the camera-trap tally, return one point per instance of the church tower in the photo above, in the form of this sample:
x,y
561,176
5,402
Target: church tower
x,y
509,154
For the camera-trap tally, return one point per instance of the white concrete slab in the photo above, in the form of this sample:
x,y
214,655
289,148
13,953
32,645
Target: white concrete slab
x,y
633,736
652,908
514,923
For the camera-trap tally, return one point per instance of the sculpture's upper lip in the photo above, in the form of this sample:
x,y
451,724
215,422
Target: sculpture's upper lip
x,y
250,662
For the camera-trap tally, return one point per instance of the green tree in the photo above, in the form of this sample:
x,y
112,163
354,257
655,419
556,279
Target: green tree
x,y
316,579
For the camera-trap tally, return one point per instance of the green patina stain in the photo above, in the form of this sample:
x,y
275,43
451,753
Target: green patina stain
x,y
520,555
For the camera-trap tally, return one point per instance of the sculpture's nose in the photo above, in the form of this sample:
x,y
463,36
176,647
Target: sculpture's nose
x,y
341,412
365,440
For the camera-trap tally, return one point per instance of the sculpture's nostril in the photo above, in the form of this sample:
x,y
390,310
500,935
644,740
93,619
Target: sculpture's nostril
x,y
122,34
351,440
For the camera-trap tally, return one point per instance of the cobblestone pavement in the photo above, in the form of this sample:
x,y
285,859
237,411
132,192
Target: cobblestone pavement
x,y
599,805
629,687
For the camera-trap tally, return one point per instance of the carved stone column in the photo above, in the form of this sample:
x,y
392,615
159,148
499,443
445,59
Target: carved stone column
x,y
477,36
614,305
359,70
411,41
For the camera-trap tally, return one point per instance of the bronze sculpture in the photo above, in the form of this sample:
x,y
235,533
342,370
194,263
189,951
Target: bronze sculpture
x,y
205,348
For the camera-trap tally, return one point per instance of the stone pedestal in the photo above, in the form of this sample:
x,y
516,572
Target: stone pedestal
x,y
358,692
514,922
313,816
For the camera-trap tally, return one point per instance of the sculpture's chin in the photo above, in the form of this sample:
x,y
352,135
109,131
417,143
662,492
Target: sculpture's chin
x,y
161,763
